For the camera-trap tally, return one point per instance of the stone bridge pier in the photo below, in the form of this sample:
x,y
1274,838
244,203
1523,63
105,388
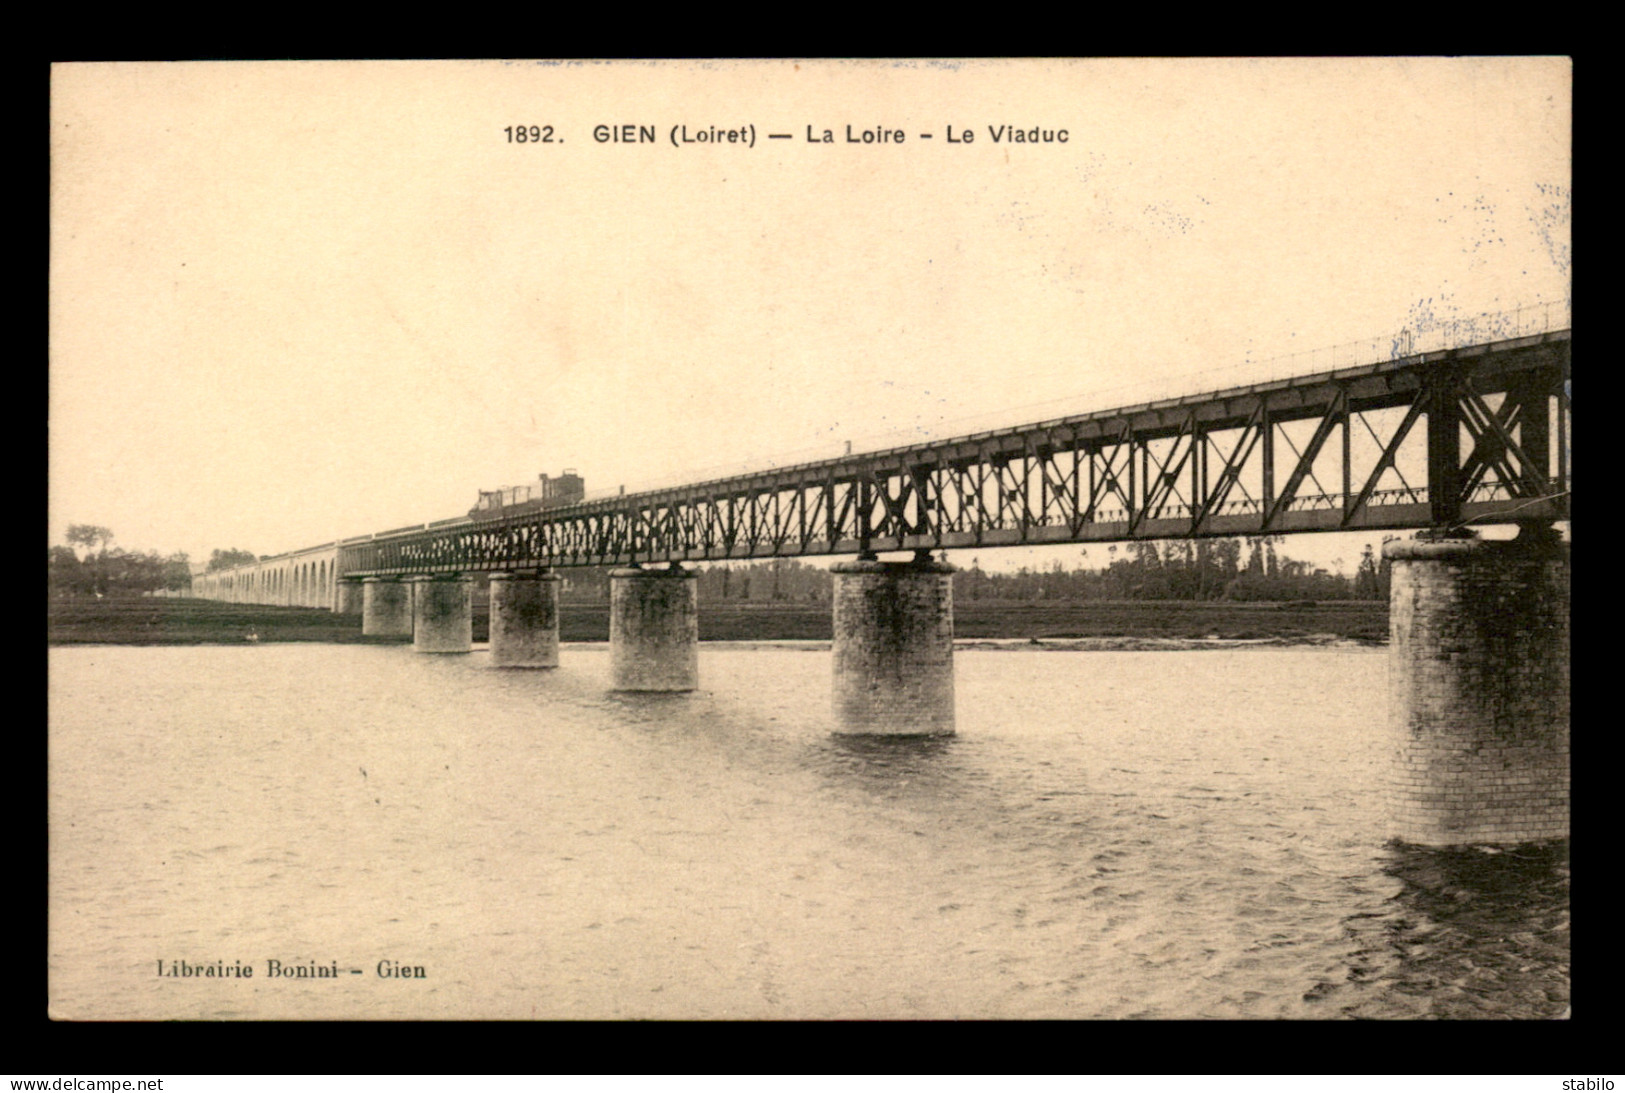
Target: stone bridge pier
x,y
525,619
1479,688
351,596
443,614
894,647
386,608
654,629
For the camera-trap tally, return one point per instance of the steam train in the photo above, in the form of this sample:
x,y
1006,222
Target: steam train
x,y
545,493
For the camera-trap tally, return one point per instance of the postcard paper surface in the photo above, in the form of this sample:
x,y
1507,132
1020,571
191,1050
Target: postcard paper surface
x,y
297,303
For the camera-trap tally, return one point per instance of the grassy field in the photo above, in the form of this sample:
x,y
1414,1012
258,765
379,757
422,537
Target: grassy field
x,y
194,622
139,621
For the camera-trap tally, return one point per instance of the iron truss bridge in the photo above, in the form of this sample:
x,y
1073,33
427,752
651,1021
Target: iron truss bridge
x,y
1471,434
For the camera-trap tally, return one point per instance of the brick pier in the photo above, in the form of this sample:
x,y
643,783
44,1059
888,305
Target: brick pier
x,y
1479,689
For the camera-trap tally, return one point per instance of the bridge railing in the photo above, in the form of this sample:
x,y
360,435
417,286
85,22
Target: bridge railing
x,y
1308,502
1429,334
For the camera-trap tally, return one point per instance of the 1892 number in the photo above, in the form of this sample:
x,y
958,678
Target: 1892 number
x,y
529,134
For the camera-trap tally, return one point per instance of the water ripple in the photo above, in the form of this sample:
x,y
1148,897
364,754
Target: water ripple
x,y
1119,835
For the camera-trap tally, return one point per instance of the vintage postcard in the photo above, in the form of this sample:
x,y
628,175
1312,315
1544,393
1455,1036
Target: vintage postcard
x,y
784,540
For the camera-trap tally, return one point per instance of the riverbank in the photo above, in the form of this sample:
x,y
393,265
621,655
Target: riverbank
x,y
1055,624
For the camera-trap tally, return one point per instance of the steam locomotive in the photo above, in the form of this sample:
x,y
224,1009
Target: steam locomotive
x,y
545,493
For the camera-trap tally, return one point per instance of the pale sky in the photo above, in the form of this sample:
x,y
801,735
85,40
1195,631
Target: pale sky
x,y
294,302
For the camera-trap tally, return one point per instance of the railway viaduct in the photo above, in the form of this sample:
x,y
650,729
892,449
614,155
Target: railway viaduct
x,y
1397,437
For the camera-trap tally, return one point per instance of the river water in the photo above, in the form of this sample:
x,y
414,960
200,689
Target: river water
x,y
1110,835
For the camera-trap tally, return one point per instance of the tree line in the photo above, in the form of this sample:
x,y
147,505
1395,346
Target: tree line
x,y
89,564
1237,569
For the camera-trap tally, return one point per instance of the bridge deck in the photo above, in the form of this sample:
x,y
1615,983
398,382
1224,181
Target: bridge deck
x,y
1459,435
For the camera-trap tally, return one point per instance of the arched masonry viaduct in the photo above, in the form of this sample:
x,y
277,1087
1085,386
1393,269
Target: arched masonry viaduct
x,y
302,578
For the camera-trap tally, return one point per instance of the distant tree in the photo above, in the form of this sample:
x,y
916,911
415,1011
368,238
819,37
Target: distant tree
x,y
972,583
105,570
128,572
178,572
66,573
89,535
98,561
1226,555
230,559
1255,557
1367,582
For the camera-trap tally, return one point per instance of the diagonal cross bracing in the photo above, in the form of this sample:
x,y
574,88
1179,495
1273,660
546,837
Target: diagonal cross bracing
x,y
1137,472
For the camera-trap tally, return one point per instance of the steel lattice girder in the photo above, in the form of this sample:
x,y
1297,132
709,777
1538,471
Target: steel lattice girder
x,y
1141,472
